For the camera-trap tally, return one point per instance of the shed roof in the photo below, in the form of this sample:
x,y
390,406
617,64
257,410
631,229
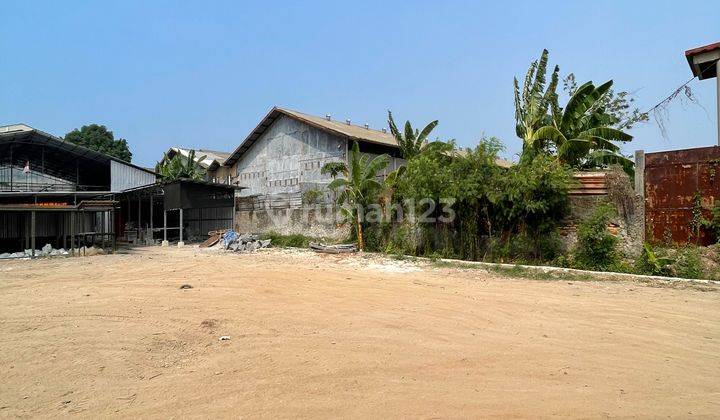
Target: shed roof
x,y
22,133
342,129
703,60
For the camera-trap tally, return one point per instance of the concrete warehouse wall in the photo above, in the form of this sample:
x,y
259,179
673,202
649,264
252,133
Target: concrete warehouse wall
x,y
315,222
287,159
284,163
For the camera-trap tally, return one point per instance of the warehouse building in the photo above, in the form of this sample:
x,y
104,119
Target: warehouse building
x,y
65,195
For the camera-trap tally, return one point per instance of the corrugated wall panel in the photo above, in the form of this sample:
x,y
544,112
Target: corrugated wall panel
x,y
124,177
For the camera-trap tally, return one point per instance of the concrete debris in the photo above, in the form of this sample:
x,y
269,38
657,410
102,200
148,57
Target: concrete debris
x,y
333,249
89,251
232,241
46,251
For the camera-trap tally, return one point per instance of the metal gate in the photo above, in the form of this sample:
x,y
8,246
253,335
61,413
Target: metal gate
x,y
681,187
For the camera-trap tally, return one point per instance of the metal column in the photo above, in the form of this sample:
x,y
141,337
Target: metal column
x,y
32,232
72,233
152,233
164,225
102,228
112,229
139,226
181,225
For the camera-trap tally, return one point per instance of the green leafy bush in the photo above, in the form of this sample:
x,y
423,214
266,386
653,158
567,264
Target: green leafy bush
x,y
500,213
312,196
596,246
296,241
652,264
687,263
713,224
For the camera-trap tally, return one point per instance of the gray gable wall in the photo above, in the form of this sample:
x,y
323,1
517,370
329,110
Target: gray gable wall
x,y
287,159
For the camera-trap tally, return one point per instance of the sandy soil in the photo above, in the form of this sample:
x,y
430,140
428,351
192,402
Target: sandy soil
x,y
331,336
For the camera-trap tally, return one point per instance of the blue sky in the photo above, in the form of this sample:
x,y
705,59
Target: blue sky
x,y
202,74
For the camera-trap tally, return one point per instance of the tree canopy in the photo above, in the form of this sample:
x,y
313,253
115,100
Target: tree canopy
x,y
99,138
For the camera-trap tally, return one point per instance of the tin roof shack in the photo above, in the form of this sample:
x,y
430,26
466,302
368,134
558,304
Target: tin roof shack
x,y
58,193
181,210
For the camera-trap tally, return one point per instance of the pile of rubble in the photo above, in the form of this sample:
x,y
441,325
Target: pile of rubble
x,y
243,243
232,241
46,251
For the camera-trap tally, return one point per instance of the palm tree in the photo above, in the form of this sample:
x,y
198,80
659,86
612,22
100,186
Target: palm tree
x,y
578,135
412,142
358,186
180,166
533,102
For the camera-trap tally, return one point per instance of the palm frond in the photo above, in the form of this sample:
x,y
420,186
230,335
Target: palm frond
x,y
609,134
426,131
576,106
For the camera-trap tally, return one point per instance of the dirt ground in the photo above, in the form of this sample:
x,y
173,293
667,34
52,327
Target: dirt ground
x,y
344,336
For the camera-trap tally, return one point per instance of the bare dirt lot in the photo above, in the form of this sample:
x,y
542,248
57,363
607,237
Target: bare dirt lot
x,y
330,336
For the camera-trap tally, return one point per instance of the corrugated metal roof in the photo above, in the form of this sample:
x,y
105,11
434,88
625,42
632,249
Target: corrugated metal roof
x,y
350,131
23,132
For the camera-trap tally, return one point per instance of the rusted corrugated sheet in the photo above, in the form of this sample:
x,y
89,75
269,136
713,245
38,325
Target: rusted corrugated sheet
x,y
589,183
673,180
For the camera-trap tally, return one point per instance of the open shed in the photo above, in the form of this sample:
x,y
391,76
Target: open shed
x,y
58,193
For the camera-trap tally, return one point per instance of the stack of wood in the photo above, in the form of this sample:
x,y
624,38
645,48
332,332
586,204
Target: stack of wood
x,y
214,237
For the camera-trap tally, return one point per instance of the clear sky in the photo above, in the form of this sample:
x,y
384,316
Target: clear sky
x,y
202,74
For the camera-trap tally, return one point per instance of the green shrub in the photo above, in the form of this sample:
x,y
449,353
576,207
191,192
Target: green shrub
x,y
312,196
687,263
652,264
596,246
297,240
713,224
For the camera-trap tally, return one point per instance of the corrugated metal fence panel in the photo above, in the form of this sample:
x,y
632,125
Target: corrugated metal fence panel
x,y
202,221
673,180
124,177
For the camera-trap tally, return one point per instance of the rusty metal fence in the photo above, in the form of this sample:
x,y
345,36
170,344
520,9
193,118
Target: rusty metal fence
x,y
680,188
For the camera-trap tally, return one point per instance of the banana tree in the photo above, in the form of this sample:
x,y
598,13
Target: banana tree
x,y
356,184
533,102
180,166
578,136
412,142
